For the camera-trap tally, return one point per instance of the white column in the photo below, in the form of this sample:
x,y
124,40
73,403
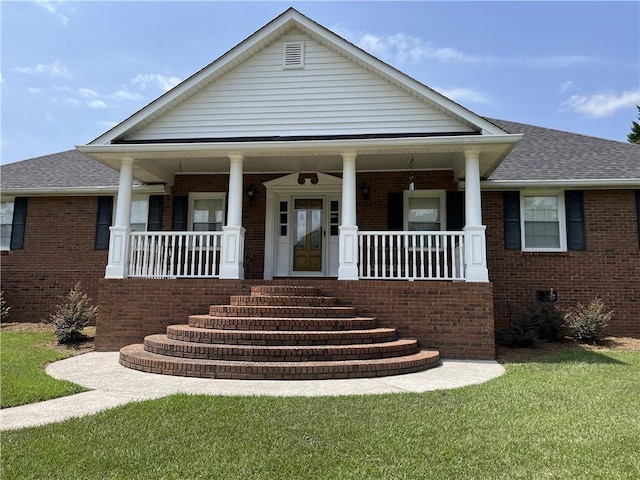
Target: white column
x,y
348,257
118,262
232,248
476,245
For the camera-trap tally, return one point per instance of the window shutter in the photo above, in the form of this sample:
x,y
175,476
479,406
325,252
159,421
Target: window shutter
x,y
180,211
154,221
455,211
638,212
103,222
511,205
575,220
18,223
395,211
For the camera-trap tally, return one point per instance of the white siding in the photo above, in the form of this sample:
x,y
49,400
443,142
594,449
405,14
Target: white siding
x,y
329,96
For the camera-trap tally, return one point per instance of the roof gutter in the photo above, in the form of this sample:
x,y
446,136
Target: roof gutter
x,y
80,191
596,183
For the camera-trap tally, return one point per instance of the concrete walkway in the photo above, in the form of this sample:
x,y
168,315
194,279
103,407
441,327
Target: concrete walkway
x,y
111,385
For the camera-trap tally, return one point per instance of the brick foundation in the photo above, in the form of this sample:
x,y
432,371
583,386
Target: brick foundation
x,y
454,318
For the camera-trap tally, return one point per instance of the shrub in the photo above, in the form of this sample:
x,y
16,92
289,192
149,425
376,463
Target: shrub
x,y
4,310
546,320
517,336
587,323
73,315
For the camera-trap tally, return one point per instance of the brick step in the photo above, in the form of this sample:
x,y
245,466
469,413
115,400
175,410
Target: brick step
x,y
135,357
283,301
281,311
272,323
266,290
163,345
186,333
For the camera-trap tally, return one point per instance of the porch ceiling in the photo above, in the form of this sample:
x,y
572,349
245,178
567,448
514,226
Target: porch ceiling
x,y
161,162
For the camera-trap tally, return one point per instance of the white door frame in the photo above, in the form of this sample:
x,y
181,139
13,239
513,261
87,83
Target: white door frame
x,y
328,188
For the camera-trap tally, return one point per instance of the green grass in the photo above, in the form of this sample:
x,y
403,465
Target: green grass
x,y
23,357
573,415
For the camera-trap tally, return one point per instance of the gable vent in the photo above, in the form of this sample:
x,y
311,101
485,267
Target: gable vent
x,y
293,55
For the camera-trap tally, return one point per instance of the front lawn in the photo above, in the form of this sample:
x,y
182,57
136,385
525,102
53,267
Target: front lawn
x,y
571,415
24,356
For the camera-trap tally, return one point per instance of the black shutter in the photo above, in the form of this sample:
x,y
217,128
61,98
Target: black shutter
x,y
511,205
395,211
180,212
638,212
455,211
575,220
154,222
18,223
103,222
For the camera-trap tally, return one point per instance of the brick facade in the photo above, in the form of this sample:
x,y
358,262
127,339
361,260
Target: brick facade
x,y
609,268
455,318
58,252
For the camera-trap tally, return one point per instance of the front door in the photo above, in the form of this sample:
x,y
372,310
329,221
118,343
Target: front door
x,y
307,246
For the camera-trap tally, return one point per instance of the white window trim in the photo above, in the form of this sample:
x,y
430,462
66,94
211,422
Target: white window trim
x,y
205,195
562,220
13,201
133,198
441,194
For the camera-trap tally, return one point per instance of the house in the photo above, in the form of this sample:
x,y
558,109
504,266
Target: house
x,y
298,159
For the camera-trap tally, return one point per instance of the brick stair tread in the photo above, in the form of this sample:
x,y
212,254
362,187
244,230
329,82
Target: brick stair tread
x,y
281,311
134,356
280,337
280,324
284,300
274,353
267,290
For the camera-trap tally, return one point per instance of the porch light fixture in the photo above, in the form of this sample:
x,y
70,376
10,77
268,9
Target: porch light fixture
x,y
365,190
412,185
251,193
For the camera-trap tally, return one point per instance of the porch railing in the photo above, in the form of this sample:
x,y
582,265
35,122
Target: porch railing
x,y
174,254
411,255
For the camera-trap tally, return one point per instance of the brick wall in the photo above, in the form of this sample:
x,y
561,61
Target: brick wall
x,y
455,318
609,268
58,252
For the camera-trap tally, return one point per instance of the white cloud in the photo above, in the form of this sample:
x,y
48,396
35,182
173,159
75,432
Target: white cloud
x,y
52,8
401,48
55,70
125,94
96,104
568,85
601,105
88,93
34,90
558,61
1,79
464,95
164,83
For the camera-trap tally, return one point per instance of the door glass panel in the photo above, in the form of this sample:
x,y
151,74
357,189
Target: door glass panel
x,y
307,254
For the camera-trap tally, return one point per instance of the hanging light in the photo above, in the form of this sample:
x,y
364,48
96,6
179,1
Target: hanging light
x,y
412,185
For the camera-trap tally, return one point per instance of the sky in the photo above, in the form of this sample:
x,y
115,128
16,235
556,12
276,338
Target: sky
x,y
72,70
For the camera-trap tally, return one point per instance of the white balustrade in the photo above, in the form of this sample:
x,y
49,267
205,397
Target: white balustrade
x,y
174,254
411,255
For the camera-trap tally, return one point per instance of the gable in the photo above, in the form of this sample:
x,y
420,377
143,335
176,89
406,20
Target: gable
x,y
328,95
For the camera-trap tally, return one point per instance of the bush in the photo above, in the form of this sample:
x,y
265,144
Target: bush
x,y
73,315
587,323
517,336
546,320
4,310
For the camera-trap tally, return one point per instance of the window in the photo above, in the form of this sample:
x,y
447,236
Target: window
x,y
206,212
6,221
543,222
139,214
425,210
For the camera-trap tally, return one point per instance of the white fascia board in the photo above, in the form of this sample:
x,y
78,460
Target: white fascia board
x,y
338,146
80,191
600,184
